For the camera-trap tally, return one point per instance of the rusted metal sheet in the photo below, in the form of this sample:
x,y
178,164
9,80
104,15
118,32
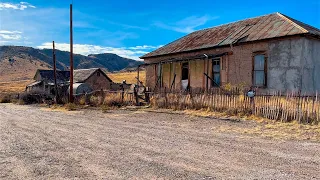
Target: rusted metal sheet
x,y
259,28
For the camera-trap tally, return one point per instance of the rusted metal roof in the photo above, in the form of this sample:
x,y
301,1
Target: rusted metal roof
x,y
81,75
253,29
48,75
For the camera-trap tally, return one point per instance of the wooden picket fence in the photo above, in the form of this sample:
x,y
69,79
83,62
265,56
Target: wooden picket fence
x,y
97,98
275,106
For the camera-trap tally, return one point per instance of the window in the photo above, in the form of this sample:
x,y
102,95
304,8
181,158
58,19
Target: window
x,y
98,74
259,70
216,72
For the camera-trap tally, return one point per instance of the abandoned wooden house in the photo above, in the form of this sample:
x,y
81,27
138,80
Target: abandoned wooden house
x,y
272,52
88,79
44,80
94,77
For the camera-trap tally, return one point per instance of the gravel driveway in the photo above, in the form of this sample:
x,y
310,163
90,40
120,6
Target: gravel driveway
x,y
37,143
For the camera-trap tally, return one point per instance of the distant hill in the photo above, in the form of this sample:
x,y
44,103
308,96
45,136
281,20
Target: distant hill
x,y
22,61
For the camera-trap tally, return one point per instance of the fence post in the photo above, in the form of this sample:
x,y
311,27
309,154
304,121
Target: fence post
x,y
86,97
122,93
299,114
251,93
165,97
135,91
147,95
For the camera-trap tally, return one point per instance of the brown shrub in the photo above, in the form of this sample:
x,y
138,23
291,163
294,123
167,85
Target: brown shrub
x,y
70,106
35,96
82,100
6,98
113,100
96,100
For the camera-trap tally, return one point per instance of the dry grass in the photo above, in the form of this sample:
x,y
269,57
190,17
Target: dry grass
x,y
130,77
264,127
13,86
23,68
278,130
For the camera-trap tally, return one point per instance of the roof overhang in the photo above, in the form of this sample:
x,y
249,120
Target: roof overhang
x,y
190,58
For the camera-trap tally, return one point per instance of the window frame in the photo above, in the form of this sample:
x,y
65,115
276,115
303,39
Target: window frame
x,y
213,72
265,70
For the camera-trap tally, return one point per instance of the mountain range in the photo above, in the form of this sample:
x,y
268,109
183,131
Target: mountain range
x,y
20,62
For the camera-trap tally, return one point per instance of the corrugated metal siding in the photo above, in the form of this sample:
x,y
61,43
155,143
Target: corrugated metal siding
x,y
263,27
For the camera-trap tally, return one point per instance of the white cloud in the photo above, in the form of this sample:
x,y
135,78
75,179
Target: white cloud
x,y
86,49
10,35
145,47
4,42
19,6
186,25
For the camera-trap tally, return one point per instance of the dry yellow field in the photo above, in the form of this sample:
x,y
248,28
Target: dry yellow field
x,y
130,77
13,86
19,86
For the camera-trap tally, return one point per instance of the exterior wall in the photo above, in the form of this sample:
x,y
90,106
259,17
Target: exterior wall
x,y
37,77
240,63
293,64
98,82
150,76
315,55
237,68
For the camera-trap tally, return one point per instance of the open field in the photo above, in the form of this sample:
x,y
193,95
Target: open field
x,y
13,86
39,143
19,86
129,76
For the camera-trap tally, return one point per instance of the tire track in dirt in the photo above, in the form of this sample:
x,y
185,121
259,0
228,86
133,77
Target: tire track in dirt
x,y
44,144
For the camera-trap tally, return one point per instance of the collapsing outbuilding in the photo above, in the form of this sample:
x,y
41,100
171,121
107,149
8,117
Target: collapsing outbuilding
x,y
44,80
94,77
86,80
272,52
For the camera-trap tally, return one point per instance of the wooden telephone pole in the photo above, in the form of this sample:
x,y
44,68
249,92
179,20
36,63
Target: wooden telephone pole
x,y
55,73
71,58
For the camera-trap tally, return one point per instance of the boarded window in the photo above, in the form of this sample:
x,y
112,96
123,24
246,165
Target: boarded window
x,y
259,70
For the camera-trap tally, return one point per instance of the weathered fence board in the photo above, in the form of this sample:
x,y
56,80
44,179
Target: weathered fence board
x,y
276,106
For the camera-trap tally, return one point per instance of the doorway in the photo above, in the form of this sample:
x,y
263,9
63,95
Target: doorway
x,y
185,76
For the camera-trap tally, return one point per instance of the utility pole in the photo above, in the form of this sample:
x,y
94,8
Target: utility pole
x,y
71,58
55,73
138,81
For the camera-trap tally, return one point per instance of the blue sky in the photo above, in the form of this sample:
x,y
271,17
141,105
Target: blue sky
x,y
130,28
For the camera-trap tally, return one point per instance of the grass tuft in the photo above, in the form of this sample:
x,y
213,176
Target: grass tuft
x,y
71,106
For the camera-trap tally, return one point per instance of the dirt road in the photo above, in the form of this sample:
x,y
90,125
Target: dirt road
x,y
42,144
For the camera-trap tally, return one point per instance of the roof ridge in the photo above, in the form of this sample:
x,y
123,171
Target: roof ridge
x,y
207,29
267,26
87,69
237,21
291,22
